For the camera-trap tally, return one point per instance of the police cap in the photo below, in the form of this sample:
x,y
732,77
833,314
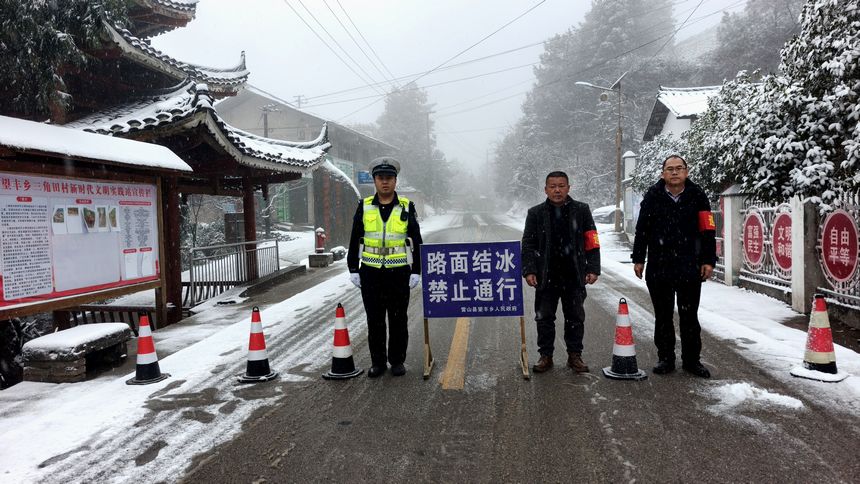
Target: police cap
x,y
384,165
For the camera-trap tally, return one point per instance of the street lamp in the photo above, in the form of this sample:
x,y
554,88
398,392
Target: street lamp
x,y
616,87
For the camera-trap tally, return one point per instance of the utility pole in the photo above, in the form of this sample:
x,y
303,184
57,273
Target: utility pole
x,y
616,88
299,100
267,209
618,166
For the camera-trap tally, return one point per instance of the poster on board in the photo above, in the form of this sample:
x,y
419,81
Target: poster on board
x,y
61,237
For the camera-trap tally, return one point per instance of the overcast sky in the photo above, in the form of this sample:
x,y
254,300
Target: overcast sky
x,y
287,59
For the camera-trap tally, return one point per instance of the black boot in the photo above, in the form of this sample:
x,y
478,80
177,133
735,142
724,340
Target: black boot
x,y
697,368
664,366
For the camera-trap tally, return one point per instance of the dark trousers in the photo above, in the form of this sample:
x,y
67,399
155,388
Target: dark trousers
x,y
386,291
663,299
546,304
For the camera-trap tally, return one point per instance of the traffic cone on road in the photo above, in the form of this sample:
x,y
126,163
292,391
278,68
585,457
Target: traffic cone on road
x,y
147,370
342,364
258,360
819,361
624,365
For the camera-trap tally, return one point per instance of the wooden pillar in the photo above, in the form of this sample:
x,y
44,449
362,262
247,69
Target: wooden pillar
x,y
250,227
171,257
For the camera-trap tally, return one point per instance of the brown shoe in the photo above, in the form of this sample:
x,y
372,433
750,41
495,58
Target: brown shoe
x,y
543,364
574,360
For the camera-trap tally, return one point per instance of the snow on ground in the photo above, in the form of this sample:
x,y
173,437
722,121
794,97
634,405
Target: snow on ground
x,y
77,417
747,320
48,429
734,395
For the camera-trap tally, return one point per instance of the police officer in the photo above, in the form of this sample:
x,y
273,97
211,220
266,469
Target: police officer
x,y
383,261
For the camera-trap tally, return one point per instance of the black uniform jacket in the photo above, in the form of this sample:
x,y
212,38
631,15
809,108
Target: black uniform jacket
x,y
676,237
537,242
413,231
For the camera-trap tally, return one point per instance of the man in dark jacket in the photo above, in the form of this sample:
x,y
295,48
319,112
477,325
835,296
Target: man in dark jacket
x,y
560,255
676,231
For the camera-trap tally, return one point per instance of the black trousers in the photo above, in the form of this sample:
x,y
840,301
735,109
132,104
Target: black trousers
x,y
546,304
386,291
663,299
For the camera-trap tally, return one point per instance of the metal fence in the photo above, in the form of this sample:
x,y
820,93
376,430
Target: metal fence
x,y
218,268
766,272
845,293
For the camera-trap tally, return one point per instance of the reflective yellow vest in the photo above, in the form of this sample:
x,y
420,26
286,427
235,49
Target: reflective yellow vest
x,y
385,243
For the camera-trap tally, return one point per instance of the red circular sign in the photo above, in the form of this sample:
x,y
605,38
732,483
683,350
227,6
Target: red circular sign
x,y
782,241
839,245
753,238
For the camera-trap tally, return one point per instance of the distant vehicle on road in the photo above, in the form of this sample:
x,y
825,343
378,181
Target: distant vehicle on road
x,y
605,214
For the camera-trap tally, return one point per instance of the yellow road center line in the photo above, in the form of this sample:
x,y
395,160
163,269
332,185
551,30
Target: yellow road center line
x,y
455,369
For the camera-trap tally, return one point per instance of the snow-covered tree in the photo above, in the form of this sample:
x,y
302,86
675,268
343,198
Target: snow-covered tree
x,y
797,132
406,123
570,127
41,40
751,40
650,161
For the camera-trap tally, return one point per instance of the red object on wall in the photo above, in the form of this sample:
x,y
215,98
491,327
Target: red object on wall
x,y
781,241
839,241
753,238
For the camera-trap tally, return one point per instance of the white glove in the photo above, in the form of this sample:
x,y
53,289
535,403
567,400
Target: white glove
x,y
355,278
414,279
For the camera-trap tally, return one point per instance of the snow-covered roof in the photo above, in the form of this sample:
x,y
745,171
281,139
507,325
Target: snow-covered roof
x,y
682,102
183,5
226,80
685,102
190,105
33,137
154,17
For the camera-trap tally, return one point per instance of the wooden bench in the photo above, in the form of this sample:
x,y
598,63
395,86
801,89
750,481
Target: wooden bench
x,y
62,356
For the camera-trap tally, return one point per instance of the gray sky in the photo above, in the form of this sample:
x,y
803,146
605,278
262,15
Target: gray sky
x,y
410,36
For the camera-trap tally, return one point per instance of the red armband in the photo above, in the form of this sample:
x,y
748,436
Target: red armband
x,y
591,240
706,221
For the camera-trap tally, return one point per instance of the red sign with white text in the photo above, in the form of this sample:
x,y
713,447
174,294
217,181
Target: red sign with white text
x,y
781,245
839,245
753,238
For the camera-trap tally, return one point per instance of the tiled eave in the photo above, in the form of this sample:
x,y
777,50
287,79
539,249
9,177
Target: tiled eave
x,y
189,107
226,81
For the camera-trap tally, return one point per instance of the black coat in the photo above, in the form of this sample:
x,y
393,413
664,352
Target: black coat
x,y
537,242
673,236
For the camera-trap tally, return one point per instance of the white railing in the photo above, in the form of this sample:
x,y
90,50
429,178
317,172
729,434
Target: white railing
x,y
218,268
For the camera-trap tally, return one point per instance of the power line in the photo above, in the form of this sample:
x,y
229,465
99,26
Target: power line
x,y
483,39
455,56
360,48
451,81
365,40
460,64
325,43
357,64
675,32
599,64
452,66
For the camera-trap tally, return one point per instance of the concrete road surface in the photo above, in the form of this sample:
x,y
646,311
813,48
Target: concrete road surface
x,y
477,420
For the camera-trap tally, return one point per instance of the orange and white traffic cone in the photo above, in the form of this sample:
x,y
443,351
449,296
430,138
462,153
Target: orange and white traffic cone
x,y
342,364
147,370
258,360
819,361
624,365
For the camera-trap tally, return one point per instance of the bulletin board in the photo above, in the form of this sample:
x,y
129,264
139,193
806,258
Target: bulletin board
x,y
62,237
